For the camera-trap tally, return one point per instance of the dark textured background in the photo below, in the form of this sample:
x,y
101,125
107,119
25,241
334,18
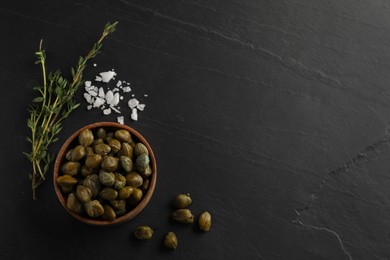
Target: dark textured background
x,y
274,115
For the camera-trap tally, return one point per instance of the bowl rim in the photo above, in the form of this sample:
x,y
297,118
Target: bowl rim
x,y
129,215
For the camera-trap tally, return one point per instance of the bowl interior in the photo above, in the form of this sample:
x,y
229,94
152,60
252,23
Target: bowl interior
x,y
72,141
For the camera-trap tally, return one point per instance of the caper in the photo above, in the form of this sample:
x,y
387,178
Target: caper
x,y
89,150
120,181
204,221
125,192
145,185
109,213
71,168
73,204
126,163
108,194
147,172
66,189
183,216
123,135
126,150
93,183
170,240
142,162
78,153
85,171
110,163
182,201
118,204
115,145
68,155
94,208
140,148
106,178
66,180
86,137
143,232
135,197
93,161
101,133
102,148
134,179
83,193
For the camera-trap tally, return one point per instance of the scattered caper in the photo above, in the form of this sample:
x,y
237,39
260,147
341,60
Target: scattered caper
x,y
83,193
86,137
123,135
170,240
93,161
204,221
182,201
133,179
110,163
71,168
143,232
73,204
140,148
183,216
94,209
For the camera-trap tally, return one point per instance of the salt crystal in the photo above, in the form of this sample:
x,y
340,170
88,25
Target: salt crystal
x,y
119,83
134,114
101,92
107,76
116,110
87,97
107,111
132,95
121,120
115,101
126,89
97,78
93,93
89,107
115,90
94,64
98,102
146,95
121,97
109,96
87,83
133,103
141,107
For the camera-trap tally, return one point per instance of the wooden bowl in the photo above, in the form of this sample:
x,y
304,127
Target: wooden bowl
x,y
72,141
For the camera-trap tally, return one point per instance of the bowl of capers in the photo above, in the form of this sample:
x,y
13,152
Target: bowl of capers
x,y
105,174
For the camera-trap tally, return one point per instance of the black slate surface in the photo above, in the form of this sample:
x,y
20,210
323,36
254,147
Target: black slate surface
x,y
274,115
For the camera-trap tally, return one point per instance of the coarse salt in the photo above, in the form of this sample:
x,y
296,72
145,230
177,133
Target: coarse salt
x,y
133,103
134,114
120,119
109,96
107,76
97,78
141,107
107,111
126,89
119,83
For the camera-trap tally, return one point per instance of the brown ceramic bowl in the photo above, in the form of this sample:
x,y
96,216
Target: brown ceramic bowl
x,y
73,141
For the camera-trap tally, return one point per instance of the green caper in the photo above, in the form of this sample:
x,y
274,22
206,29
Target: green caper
x,y
170,240
135,197
140,148
88,150
109,213
66,189
143,232
126,163
71,168
101,133
93,183
120,181
78,153
73,204
108,194
102,149
85,171
97,141
133,179
146,172
142,162
110,163
118,204
123,135
182,201
83,193
106,178
125,192
68,155
126,150
145,185
94,208
204,221
183,216
66,180
115,145
93,161
86,137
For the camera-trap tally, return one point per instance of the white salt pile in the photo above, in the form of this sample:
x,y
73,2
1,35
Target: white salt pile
x,y
108,100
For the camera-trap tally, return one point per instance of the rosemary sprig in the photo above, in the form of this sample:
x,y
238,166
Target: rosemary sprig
x,y
53,104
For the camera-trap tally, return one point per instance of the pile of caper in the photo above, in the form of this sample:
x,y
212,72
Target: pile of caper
x,y
182,214
105,174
